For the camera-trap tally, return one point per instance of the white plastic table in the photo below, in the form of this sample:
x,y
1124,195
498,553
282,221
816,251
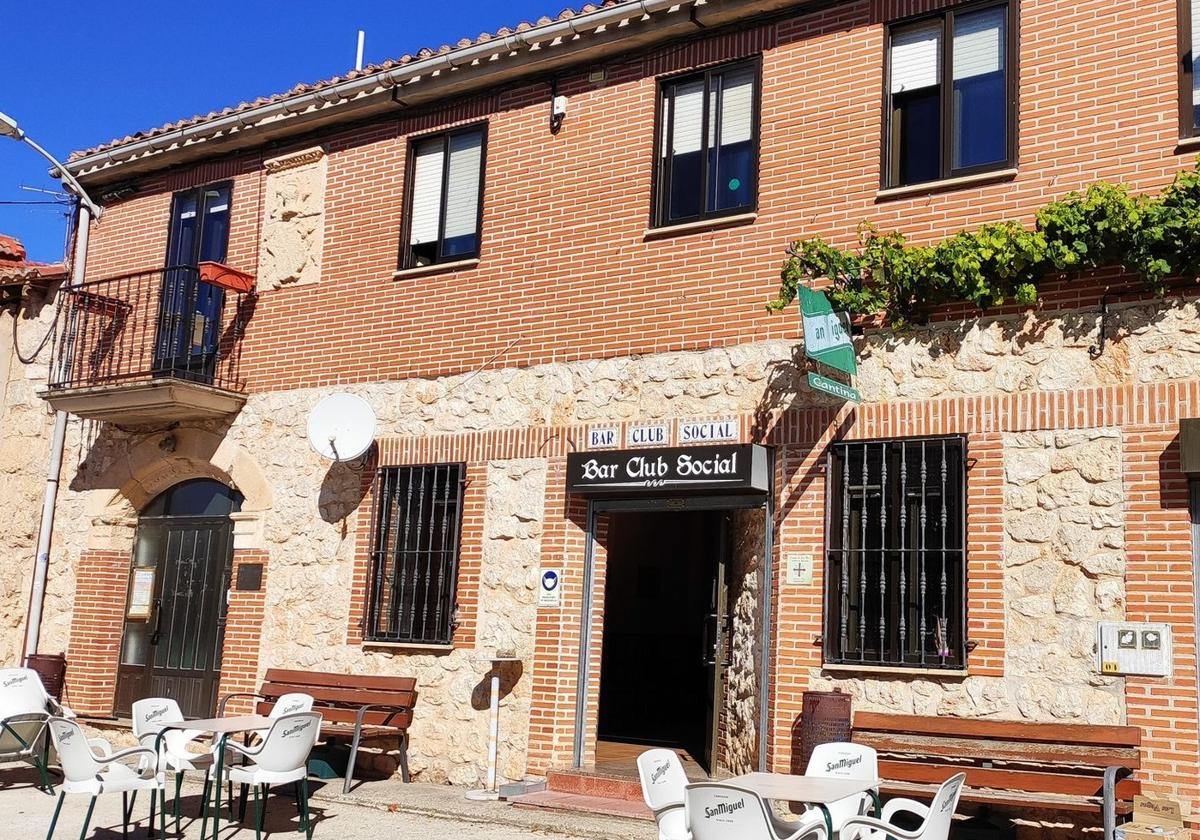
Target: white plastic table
x,y
811,790
222,727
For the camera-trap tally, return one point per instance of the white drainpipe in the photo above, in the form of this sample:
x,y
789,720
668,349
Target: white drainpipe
x,y
41,565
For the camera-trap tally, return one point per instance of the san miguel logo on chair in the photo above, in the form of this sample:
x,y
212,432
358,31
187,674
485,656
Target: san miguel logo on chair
x,y
297,729
17,680
724,809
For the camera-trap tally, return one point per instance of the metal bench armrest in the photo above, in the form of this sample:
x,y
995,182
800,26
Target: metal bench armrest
x,y
1112,775
358,718
228,697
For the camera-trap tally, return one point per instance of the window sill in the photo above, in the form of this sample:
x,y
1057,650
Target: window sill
x,y
416,648
436,268
703,224
885,670
1187,144
947,184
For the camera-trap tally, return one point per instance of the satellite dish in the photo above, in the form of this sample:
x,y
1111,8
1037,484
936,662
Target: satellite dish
x,y
341,427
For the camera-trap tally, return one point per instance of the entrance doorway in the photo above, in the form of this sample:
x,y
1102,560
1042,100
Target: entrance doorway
x,y
175,610
665,632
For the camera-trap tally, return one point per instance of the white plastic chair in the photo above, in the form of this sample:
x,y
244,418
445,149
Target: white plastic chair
x,y
24,709
282,757
840,761
663,783
91,768
724,812
937,817
148,717
288,704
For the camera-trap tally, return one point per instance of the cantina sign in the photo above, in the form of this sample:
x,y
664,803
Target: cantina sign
x,y
679,471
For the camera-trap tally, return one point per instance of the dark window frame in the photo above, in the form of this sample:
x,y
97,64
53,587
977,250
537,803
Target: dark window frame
x,y
890,148
407,259
894,652
1189,125
386,548
663,135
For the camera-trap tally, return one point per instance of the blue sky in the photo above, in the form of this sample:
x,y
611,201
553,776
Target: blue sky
x,y
74,75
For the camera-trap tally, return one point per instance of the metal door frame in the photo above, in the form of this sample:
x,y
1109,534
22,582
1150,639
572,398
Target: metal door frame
x,y
670,504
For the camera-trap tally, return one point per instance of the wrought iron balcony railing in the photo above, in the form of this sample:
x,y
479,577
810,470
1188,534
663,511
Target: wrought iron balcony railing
x,y
149,326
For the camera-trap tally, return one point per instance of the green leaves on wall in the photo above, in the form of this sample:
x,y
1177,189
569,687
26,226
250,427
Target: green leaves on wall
x,y
1156,237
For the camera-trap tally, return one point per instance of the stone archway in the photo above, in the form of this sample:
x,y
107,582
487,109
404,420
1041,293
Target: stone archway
x,y
153,464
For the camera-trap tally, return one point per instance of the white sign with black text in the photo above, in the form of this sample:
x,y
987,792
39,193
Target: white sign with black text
x,y
709,431
604,438
641,436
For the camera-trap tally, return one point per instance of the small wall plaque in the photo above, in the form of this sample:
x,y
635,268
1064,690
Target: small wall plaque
x,y
141,595
249,577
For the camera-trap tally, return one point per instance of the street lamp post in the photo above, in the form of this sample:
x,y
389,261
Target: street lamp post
x,y
88,210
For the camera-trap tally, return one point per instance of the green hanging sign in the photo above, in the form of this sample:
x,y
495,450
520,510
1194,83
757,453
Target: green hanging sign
x,y
826,333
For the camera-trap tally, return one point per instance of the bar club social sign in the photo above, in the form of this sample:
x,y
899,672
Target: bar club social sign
x,y
686,470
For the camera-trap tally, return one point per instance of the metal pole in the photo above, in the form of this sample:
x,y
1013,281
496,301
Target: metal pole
x,y
494,734
41,565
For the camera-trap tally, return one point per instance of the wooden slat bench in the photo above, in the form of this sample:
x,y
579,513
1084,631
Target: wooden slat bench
x,y
352,706
1072,767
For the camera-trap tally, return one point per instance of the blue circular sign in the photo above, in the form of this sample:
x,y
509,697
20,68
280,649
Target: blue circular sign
x,y
550,581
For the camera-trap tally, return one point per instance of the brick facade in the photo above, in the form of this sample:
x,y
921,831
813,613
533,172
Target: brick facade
x,y
571,290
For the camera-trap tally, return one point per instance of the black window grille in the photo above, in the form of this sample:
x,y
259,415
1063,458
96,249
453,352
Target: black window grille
x,y
895,570
414,558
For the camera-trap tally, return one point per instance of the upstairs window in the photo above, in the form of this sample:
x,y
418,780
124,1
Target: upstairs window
x,y
445,188
951,96
895,566
414,557
708,145
1189,81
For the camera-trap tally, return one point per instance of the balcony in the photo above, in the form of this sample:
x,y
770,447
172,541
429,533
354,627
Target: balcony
x,y
152,347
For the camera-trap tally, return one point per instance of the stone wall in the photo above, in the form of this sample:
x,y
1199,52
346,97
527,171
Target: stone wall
x,y
25,428
742,677
1063,546
1063,571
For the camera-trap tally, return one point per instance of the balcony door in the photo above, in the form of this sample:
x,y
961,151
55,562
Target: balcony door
x,y
189,318
175,610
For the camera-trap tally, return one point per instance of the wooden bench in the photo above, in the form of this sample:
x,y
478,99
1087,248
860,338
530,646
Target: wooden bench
x,y
351,706
1071,767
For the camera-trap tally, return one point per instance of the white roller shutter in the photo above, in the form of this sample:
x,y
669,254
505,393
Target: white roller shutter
x,y
462,192
737,107
427,192
688,126
916,58
978,43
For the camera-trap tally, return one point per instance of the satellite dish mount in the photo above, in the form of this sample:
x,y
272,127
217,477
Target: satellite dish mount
x,y
341,428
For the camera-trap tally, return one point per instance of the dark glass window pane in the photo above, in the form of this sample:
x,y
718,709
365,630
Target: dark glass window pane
x,y
919,119
215,239
199,497
731,139
980,112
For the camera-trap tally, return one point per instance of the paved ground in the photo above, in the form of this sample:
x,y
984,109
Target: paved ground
x,y
388,810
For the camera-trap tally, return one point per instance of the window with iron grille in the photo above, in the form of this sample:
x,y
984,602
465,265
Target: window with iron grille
x,y
414,558
895,570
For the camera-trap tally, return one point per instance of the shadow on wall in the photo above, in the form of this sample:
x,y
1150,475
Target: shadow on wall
x,y
345,486
510,675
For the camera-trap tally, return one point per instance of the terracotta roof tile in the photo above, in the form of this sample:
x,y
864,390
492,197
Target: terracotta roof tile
x,y
353,74
14,268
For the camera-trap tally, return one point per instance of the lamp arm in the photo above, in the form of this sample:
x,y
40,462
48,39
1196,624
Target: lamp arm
x,y
63,174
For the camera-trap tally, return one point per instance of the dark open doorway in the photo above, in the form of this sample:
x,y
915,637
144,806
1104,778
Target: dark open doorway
x,y
664,630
